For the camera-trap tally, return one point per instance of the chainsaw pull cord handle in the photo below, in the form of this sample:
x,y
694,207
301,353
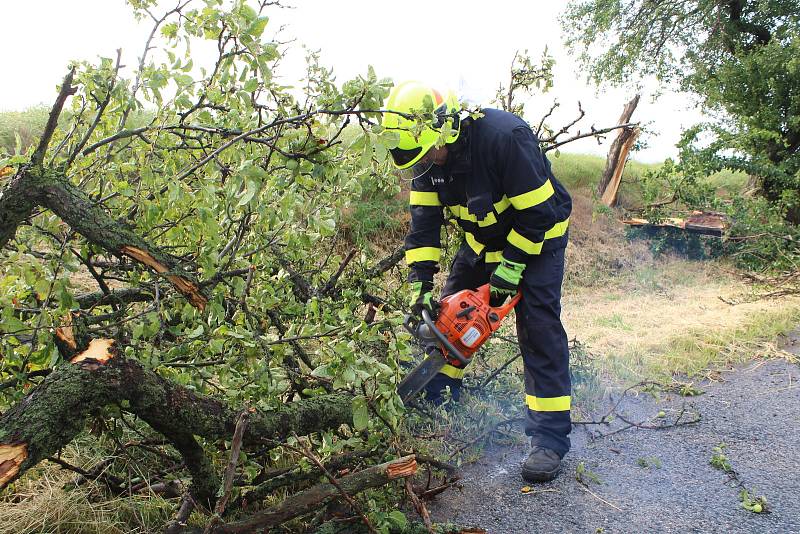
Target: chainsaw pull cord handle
x,y
451,350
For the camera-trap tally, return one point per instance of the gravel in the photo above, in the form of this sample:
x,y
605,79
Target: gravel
x,y
754,410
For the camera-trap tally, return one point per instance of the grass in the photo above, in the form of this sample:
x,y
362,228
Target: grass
x,y
583,171
27,124
667,318
48,500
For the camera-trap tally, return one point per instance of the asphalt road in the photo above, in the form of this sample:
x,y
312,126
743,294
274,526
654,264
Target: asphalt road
x,y
754,410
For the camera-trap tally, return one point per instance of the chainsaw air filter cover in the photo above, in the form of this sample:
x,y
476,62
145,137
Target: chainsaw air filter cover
x,y
467,319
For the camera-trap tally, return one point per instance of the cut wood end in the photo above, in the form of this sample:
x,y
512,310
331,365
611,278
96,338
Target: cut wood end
x,y
11,458
188,288
99,350
402,467
65,334
142,256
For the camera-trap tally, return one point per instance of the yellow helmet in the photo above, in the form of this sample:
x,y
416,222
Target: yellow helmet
x,y
414,97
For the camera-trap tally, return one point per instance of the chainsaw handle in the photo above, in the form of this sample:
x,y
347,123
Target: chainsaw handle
x,y
485,293
451,350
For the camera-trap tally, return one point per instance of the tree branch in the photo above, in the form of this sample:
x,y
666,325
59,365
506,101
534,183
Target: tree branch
x,y
52,120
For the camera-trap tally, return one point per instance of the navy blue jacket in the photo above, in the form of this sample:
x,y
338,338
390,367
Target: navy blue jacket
x,y
499,188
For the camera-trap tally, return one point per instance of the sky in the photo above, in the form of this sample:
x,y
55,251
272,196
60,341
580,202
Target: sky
x,y
464,45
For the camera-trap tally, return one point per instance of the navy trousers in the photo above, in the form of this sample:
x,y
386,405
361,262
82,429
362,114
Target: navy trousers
x,y
542,341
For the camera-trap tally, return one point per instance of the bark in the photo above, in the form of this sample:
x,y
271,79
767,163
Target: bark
x,y
88,219
297,476
55,412
16,205
614,153
314,497
119,296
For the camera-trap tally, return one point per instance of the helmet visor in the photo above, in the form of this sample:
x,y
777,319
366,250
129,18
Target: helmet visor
x,y
402,157
415,171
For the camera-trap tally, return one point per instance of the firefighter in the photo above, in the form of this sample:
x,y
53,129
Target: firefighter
x,y
489,174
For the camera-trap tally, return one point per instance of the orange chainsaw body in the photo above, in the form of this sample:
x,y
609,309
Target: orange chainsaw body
x,y
468,320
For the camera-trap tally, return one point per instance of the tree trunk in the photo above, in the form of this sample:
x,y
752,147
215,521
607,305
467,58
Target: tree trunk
x,y
55,412
616,160
16,205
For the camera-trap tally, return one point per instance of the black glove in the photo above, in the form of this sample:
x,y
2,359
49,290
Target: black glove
x,y
504,282
422,299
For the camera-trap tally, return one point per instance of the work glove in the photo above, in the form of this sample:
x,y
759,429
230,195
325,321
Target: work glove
x,y
422,299
504,282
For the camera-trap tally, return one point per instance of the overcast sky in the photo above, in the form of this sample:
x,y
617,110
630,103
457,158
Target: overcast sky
x,y
466,45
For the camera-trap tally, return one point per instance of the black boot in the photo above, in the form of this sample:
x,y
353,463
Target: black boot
x,y
542,465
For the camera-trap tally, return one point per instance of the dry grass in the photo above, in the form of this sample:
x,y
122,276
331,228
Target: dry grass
x,y
669,318
48,501
598,250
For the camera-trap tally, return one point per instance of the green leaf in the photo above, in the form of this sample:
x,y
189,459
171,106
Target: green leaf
x,y
360,413
257,27
251,85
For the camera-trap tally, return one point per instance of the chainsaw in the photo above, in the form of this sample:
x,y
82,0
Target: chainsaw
x,y
465,321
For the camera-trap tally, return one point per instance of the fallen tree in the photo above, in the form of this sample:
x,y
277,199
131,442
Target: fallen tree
x,y
185,268
55,412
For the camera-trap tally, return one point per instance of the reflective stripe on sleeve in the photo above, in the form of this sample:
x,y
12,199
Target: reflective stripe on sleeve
x,y
473,243
495,256
548,404
531,247
452,371
502,205
523,243
557,230
424,198
532,198
414,255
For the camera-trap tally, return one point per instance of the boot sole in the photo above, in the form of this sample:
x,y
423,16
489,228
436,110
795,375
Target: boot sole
x,y
540,476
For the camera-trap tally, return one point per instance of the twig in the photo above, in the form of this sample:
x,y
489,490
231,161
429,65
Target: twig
x,y
592,133
331,284
311,456
599,498
179,523
230,471
419,506
498,371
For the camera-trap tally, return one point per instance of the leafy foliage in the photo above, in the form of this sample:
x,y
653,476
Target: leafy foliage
x,y
245,180
740,58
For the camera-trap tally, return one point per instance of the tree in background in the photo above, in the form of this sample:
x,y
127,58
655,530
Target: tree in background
x,y
740,58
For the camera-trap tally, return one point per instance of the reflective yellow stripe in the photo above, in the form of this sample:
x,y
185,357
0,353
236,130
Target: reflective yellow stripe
x,y
548,404
473,243
523,243
557,230
462,213
502,205
452,371
423,254
424,198
532,198
530,247
494,257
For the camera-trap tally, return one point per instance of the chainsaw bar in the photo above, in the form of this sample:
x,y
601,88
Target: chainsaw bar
x,y
419,377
